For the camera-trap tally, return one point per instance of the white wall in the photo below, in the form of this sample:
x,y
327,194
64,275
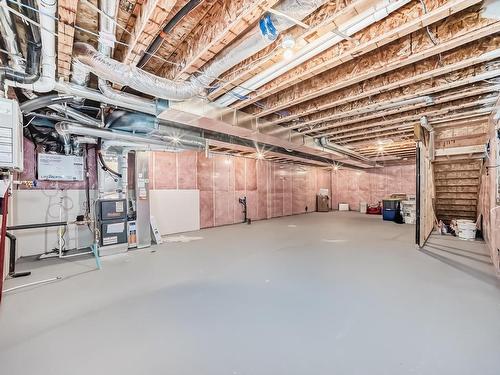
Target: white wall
x,y
42,206
175,211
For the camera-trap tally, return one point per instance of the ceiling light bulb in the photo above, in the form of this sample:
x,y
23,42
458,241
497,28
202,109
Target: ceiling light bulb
x,y
380,148
288,54
288,42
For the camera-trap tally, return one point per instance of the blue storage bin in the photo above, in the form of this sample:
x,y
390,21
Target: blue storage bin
x,y
389,214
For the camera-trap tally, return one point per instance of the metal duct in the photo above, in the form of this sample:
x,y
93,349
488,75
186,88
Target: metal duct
x,y
258,38
70,128
343,150
107,30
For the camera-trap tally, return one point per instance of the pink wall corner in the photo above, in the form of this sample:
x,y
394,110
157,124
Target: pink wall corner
x,y
186,169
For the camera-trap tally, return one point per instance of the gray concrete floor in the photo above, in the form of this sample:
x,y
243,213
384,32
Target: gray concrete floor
x,y
334,293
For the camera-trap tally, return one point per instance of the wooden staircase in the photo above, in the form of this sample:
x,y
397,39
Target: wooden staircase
x,y
457,188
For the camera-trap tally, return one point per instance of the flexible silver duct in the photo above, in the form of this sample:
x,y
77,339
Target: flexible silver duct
x,y
99,63
7,30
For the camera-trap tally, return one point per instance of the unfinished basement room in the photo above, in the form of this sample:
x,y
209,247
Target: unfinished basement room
x,y
250,187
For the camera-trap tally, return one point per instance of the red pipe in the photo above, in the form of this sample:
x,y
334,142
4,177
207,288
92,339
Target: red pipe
x,y
3,231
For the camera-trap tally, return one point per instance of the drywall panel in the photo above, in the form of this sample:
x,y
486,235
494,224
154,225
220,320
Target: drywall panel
x,y
176,211
45,206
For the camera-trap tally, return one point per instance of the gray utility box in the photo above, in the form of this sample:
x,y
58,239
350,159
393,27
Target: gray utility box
x,y
113,232
112,221
111,209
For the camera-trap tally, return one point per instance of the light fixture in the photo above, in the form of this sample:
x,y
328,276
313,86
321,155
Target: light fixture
x,y
380,148
288,54
260,155
288,42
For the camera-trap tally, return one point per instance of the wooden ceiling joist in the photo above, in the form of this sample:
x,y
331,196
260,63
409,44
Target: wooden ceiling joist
x,y
419,109
327,18
413,78
397,98
414,116
67,10
392,58
408,19
227,22
176,39
153,15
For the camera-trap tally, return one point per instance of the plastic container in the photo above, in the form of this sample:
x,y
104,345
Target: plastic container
x,y
466,229
389,214
363,206
343,207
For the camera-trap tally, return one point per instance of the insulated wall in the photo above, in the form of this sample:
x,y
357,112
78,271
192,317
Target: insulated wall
x,y
371,186
272,189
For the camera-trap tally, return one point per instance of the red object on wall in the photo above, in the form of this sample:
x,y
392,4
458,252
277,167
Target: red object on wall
x,y
5,204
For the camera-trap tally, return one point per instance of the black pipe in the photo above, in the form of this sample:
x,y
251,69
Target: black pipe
x,y
12,257
41,225
34,52
43,101
417,198
153,47
104,166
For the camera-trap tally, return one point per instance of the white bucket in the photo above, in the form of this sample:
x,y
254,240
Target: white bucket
x,y
466,229
363,207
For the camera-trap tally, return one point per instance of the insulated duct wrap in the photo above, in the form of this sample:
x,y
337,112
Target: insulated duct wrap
x,y
257,39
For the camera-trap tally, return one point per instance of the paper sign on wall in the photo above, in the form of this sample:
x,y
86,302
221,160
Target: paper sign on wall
x,y
57,167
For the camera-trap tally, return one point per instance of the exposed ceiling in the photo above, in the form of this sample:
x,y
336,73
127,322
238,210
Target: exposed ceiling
x,y
437,58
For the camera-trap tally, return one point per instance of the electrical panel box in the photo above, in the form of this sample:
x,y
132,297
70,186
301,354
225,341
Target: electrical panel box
x,y
112,209
11,135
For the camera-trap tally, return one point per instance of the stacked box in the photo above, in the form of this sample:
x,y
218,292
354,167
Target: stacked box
x,y
409,211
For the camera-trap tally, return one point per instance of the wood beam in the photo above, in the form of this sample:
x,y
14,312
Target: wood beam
x,y
393,58
327,19
227,21
412,79
176,38
153,15
416,109
397,98
67,10
406,20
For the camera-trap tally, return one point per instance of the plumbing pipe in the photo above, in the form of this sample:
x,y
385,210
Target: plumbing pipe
x,y
166,30
70,128
46,83
44,101
7,30
19,72
107,31
343,150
